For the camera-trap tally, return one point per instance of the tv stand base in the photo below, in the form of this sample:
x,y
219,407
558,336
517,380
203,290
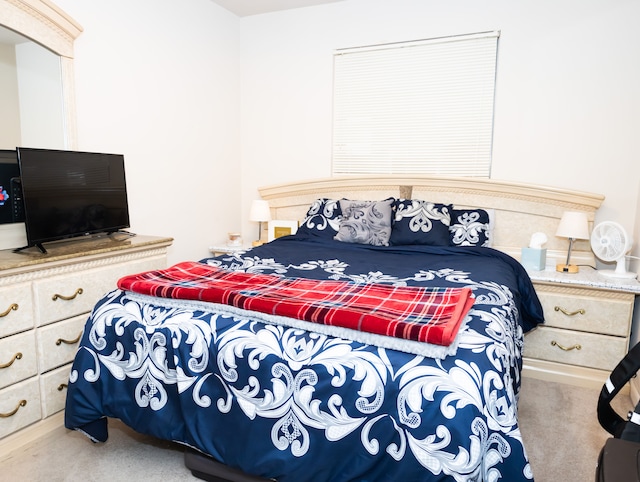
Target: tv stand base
x,y
126,234
37,245
118,235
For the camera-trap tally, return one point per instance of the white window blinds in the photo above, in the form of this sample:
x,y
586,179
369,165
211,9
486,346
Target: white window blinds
x,y
423,107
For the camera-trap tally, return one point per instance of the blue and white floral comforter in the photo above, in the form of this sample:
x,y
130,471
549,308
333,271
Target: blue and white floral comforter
x,y
295,405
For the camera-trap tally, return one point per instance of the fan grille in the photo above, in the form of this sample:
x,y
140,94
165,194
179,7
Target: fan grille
x,y
609,241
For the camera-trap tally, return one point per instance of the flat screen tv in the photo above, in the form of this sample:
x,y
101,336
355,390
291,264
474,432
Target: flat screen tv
x,y
11,209
68,194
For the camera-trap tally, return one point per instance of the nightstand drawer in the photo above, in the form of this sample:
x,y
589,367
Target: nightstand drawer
x,y
18,357
591,311
19,406
58,343
575,348
16,308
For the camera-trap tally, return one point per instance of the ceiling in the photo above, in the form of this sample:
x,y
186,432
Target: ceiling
x,y
245,8
242,8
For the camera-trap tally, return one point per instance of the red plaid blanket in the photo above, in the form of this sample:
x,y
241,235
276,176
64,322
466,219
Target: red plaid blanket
x,y
424,314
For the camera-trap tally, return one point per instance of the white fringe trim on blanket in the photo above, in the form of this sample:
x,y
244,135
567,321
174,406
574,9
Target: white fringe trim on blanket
x,y
429,350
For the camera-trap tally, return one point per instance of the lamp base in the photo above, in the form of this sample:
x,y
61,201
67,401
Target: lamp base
x,y
567,268
257,243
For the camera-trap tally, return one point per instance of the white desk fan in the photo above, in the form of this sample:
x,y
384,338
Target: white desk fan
x,y
610,242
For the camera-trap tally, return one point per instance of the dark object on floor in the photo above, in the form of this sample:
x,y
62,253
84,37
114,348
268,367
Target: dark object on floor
x,y
209,469
619,460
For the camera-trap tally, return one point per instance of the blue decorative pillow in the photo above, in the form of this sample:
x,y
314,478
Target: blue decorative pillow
x,y
322,220
365,222
470,227
420,222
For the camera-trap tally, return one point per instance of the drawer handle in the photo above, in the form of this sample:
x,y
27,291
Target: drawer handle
x,y
67,298
569,313
62,386
566,348
13,307
60,341
14,411
17,356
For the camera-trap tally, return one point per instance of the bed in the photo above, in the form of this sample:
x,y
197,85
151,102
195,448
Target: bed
x,y
228,357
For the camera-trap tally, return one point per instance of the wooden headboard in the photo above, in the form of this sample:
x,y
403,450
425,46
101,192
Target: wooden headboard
x,y
520,209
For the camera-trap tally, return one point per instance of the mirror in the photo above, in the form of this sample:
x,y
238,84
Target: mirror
x,y
36,84
32,115
31,94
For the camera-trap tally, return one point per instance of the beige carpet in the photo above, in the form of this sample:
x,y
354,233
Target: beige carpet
x,y
560,429
558,423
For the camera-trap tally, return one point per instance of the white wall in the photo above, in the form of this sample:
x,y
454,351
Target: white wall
x,y
207,107
634,262
634,265
158,81
567,88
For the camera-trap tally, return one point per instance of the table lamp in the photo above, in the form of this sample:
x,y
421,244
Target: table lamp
x,y
573,225
259,213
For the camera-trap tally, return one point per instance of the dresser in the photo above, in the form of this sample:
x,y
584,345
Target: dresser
x,y
587,327
44,302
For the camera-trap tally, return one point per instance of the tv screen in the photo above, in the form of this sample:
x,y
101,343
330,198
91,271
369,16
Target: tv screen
x,y
69,193
11,209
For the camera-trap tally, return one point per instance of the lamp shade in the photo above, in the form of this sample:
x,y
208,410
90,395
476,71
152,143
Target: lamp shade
x,y
260,211
574,225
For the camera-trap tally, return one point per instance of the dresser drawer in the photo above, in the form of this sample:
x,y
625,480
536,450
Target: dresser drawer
x,y
19,406
58,342
66,296
591,311
16,309
69,295
595,350
18,358
53,389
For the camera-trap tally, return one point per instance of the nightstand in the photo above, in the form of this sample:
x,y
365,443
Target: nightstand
x,y
219,249
587,326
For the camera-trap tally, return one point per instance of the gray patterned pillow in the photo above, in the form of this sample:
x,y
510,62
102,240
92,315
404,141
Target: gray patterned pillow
x,y
365,222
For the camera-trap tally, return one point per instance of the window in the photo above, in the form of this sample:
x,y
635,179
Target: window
x,y
423,107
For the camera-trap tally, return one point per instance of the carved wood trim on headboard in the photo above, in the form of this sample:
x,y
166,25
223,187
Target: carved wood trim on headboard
x,y
520,209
